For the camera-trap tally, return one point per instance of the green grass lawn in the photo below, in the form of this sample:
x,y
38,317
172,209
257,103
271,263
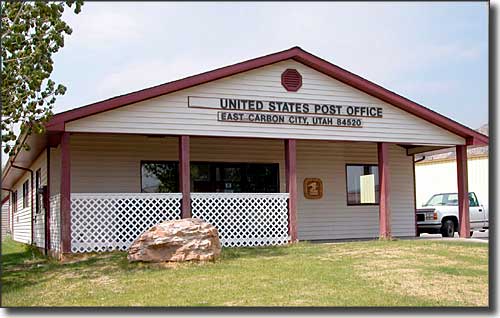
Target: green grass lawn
x,y
372,273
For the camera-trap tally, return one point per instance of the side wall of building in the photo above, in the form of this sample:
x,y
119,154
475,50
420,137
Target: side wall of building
x,y
6,218
39,216
22,225
441,176
22,215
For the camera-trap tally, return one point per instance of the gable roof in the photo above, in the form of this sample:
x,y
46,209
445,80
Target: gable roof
x,y
56,124
447,154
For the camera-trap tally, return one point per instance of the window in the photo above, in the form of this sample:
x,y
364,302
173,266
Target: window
x,y
163,176
159,176
234,177
473,200
362,184
438,199
201,177
38,181
14,202
26,193
450,199
262,178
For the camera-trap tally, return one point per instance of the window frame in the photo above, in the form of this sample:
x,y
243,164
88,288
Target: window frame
x,y
26,194
157,161
347,185
14,201
240,164
212,171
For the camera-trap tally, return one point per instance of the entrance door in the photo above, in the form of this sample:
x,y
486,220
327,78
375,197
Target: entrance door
x,y
234,177
228,178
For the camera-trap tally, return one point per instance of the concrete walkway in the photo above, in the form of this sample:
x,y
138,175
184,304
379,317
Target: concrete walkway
x,y
481,237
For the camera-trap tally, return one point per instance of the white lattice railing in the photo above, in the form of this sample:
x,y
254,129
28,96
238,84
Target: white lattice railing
x,y
112,221
55,233
244,219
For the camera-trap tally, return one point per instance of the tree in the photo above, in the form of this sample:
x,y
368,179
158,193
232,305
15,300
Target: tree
x,y
31,33
166,174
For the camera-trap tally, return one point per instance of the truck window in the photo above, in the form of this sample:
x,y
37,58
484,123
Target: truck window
x,y
443,199
437,199
451,199
473,200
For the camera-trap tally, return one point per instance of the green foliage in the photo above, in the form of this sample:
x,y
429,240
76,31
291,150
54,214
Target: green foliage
x,y
165,173
31,33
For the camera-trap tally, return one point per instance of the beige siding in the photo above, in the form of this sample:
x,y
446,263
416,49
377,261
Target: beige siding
x,y
330,217
441,176
55,170
22,218
5,218
169,114
111,163
39,218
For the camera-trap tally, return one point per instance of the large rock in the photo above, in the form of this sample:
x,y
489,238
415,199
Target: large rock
x,y
177,241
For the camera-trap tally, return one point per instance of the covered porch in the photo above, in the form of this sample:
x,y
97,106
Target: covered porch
x,y
119,208
126,201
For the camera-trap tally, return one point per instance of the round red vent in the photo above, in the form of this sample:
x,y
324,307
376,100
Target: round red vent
x,y
291,80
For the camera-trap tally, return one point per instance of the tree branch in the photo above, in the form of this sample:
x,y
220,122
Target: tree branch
x,y
16,59
15,20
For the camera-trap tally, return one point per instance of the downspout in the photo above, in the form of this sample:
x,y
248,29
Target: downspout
x,y
418,160
11,221
31,194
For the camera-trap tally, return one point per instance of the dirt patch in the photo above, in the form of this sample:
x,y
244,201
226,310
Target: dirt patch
x,y
102,280
405,272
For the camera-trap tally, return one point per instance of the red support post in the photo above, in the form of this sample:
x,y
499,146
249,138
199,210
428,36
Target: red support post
x,y
65,194
184,176
463,192
291,186
385,192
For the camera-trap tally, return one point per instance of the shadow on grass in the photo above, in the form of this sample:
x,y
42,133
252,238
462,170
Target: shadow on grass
x,y
21,267
251,252
24,266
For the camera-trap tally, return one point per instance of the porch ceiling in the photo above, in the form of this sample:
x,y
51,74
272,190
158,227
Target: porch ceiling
x,y
23,158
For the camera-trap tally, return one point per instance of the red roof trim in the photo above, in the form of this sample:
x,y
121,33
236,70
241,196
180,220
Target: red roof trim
x,y
392,98
472,137
127,99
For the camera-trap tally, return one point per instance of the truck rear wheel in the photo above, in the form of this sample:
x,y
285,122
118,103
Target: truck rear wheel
x,y
448,228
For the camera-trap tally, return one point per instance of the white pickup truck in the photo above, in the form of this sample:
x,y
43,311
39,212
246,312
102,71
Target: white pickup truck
x,y
440,215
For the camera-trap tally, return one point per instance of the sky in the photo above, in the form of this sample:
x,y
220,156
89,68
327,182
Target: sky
x,y
434,53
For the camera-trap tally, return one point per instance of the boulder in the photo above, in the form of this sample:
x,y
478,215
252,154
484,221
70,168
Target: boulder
x,y
176,241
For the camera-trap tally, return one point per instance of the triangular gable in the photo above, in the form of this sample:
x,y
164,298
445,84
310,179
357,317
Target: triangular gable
x,y
196,111
57,123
